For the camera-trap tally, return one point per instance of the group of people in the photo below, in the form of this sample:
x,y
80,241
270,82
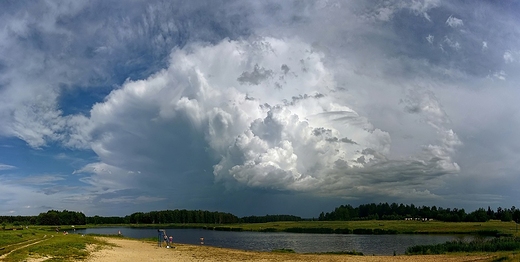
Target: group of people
x,y
165,238
168,240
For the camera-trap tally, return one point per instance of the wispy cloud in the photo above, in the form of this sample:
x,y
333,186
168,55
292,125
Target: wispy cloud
x,y
454,22
6,167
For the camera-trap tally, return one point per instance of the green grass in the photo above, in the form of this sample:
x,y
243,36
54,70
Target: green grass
x,y
43,241
356,227
361,227
10,239
59,248
400,227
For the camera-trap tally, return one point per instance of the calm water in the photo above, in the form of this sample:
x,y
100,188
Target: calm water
x,y
301,243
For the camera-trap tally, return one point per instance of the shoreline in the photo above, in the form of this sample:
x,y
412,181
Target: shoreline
x,y
135,250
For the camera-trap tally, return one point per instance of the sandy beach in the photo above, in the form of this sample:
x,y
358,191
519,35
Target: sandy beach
x,y
136,250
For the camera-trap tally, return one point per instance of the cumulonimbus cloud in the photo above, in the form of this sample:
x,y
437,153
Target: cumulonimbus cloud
x,y
284,127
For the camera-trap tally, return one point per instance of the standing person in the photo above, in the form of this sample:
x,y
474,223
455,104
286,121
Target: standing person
x,y
160,237
171,240
166,240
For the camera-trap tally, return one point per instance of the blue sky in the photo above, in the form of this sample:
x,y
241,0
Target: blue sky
x,y
257,107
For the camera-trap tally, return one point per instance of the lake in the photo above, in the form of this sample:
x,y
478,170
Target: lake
x,y
299,242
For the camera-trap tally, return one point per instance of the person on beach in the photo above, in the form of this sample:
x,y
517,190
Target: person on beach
x,y
166,240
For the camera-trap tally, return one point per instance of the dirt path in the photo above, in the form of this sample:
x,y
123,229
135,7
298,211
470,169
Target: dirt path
x,y
21,247
136,250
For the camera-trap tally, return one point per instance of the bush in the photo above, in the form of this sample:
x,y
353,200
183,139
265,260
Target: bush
x,y
478,245
363,231
269,229
491,233
312,230
342,231
228,229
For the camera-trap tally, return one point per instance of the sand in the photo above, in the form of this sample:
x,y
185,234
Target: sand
x,y
136,250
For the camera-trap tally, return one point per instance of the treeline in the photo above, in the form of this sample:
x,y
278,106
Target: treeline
x,y
394,211
182,216
269,218
65,217
168,217
188,216
18,220
51,217
107,220
381,211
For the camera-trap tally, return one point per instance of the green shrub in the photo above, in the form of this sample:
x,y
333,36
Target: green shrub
x,y
312,230
363,231
342,231
477,245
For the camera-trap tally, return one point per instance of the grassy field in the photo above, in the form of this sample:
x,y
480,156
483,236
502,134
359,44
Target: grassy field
x,y
390,226
400,227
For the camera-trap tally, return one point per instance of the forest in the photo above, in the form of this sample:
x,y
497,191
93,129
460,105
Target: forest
x,y
381,211
394,211
51,217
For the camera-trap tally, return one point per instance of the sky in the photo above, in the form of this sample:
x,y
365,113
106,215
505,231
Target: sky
x,y
257,107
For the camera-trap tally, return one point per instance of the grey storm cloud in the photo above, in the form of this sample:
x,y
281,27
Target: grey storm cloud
x,y
198,104
256,76
285,69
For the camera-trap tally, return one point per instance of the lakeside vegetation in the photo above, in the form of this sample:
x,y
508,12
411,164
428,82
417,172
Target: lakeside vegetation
x,y
366,212
372,227
476,245
490,228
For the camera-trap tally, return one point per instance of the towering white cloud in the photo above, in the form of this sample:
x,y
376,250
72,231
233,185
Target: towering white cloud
x,y
271,115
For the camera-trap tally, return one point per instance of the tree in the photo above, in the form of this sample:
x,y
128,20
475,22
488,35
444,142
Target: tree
x,y
54,217
507,216
516,215
490,213
49,218
479,215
